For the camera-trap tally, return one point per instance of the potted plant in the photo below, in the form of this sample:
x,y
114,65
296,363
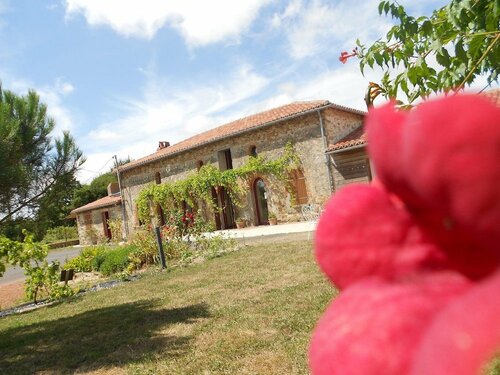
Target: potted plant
x,y
241,222
272,219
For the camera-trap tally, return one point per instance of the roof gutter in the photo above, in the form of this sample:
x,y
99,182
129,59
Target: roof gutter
x,y
124,168
356,147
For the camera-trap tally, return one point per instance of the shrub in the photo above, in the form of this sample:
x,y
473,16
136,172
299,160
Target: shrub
x,y
41,277
98,260
146,252
206,248
116,260
85,261
115,225
215,246
183,241
45,278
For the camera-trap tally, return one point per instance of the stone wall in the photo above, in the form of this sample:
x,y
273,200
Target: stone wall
x,y
339,123
303,131
90,225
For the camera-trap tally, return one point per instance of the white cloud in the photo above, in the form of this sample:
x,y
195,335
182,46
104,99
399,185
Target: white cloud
x,y
316,27
199,22
343,85
169,114
52,96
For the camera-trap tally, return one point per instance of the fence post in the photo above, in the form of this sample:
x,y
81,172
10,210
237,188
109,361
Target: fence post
x,y
160,248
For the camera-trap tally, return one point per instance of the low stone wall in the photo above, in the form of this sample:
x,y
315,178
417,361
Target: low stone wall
x,y
57,245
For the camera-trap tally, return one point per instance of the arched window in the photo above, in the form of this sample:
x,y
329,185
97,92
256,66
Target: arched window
x,y
199,164
298,182
252,151
157,178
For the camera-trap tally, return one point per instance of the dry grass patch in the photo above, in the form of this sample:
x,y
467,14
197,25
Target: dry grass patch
x,y
249,312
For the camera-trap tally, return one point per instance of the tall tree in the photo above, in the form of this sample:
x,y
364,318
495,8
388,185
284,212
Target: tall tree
x,y
445,51
32,161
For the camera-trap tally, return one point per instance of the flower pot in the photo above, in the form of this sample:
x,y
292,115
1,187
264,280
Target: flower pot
x,y
240,224
273,221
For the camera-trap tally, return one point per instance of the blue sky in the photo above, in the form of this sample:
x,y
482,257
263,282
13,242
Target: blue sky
x,y
123,75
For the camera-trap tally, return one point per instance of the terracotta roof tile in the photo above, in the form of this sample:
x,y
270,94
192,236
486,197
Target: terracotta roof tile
x,y
235,127
355,138
110,200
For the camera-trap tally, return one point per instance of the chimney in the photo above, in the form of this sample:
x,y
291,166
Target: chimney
x,y
162,145
113,188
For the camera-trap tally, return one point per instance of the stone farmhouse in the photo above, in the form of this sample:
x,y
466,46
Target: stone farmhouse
x,y
328,139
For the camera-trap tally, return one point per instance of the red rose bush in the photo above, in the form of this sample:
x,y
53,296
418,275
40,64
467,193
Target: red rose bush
x,y
416,254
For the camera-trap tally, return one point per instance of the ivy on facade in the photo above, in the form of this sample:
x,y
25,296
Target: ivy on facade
x,y
197,187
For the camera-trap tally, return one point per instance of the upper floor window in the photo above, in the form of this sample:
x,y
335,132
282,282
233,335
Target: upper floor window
x,y
199,164
252,151
225,160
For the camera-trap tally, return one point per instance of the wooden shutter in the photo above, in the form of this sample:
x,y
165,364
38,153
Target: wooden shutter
x,y
87,218
299,185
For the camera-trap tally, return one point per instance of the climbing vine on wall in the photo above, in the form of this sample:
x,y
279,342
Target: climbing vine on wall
x,y
198,186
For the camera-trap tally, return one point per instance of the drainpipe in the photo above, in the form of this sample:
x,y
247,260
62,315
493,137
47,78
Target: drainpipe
x,y
325,147
121,196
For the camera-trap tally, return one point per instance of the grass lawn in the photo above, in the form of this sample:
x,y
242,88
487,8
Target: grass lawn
x,y
249,312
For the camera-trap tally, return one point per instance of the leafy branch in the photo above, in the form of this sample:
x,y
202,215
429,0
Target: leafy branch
x,y
445,51
198,186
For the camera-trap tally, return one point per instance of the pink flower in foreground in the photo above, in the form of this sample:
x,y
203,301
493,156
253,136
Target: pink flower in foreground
x,y
366,233
374,326
416,254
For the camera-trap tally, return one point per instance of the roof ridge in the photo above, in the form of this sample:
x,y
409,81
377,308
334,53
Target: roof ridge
x,y
105,201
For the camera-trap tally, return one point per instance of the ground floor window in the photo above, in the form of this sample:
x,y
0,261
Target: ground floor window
x,y
260,197
298,181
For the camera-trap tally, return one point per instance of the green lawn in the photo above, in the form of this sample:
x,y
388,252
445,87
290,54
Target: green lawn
x,y
249,312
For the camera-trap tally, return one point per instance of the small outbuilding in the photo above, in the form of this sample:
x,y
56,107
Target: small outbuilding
x,y
93,219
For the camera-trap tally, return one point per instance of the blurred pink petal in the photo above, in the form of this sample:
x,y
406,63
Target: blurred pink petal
x,y
374,327
366,232
465,334
384,127
451,158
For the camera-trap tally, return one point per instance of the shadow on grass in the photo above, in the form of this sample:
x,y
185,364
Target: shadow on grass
x,y
97,339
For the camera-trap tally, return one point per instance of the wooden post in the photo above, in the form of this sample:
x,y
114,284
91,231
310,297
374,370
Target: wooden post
x,y
160,248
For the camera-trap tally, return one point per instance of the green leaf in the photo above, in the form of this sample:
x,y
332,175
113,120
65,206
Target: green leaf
x,y
412,75
436,45
475,46
370,61
460,51
443,58
412,28
426,27
381,7
404,85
